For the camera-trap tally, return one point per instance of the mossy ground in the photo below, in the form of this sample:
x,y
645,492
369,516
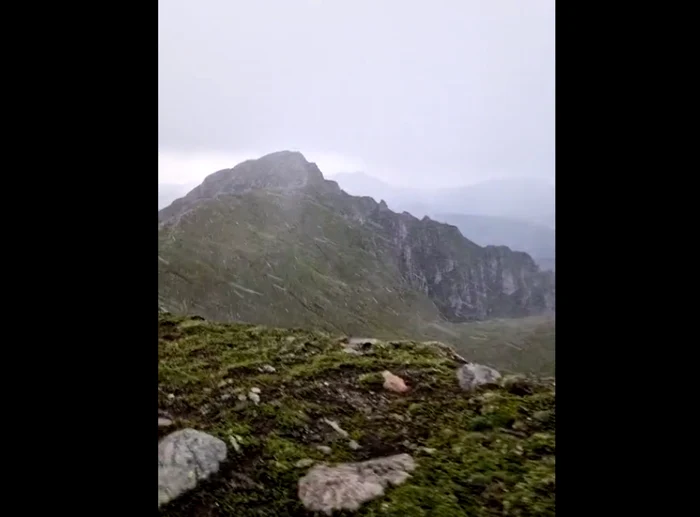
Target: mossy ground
x,y
484,454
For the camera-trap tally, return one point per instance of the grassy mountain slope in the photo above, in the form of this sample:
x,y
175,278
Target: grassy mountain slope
x,y
272,242
283,260
486,453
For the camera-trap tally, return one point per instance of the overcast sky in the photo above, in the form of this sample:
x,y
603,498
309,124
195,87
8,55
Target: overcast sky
x,y
416,93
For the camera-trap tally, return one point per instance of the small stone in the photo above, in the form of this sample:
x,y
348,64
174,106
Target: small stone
x,y
353,445
324,449
254,397
394,382
225,396
336,427
427,450
306,462
542,416
164,422
519,425
171,396
242,398
255,390
234,443
268,368
222,384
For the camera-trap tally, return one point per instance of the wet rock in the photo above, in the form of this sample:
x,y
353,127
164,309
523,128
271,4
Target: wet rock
x,y
186,457
255,390
336,427
268,368
347,486
472,375
306,462
164,422
394,382
353,445
254,397
324,449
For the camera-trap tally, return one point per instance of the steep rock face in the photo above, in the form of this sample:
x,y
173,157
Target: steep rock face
x,y
276,223
464,280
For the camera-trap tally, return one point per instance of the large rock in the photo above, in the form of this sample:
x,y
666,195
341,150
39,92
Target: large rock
x,y
347,486
472,375
184,458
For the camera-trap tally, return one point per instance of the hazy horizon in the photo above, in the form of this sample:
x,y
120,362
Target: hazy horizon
x,y
415,95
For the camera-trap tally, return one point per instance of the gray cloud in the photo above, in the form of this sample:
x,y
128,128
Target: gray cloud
x,y
452,90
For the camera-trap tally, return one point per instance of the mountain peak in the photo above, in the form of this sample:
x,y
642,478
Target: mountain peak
x,y
279,170
282,170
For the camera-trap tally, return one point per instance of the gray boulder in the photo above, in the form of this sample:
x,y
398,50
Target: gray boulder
x,y
472,375
348,485
184,458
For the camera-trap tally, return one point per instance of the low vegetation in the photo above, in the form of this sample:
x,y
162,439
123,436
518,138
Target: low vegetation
x,y
485,453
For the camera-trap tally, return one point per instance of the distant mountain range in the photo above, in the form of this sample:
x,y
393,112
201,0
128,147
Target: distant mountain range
x,y
524,199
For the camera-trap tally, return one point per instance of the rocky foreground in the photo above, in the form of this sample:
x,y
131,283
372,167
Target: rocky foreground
x,y
256,421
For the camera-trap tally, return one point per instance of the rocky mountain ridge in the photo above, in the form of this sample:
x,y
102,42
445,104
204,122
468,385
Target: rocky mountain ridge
x,y
272,236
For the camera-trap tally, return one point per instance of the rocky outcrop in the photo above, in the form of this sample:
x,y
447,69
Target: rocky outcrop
x,y
465,281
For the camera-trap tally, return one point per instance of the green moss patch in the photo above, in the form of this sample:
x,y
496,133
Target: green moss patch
x,y
486,453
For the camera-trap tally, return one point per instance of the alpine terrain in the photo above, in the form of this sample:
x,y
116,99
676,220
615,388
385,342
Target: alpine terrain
x,y
272,404
272,242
